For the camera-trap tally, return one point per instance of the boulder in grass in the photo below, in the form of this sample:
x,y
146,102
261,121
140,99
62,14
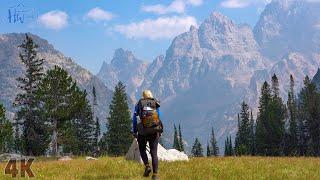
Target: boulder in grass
x,y
65,158
163,154
89,158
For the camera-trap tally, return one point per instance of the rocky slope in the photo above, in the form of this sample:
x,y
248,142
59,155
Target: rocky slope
x,y
11,68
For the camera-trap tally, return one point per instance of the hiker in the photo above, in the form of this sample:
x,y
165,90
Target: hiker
x,y
147,127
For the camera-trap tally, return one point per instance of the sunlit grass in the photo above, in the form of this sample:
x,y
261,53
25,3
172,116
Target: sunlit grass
x,y
196,168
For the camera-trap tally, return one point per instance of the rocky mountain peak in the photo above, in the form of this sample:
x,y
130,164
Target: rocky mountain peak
x,y
123,57
283,23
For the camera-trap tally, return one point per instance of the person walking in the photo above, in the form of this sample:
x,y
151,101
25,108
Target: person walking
x,y
147,127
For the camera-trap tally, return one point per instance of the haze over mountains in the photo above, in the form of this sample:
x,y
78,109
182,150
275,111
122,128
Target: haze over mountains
x,y
205,73
209,70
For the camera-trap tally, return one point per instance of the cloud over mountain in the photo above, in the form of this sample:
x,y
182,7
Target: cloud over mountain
x,y
54,20
176,6
98,14
160,28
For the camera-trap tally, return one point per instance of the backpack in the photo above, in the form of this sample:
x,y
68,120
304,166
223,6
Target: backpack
x,y
148,112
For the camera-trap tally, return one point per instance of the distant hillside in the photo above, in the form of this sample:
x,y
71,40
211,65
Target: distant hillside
x,y
11,68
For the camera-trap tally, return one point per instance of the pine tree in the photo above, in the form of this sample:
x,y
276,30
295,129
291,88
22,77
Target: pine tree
x,y
181,147
277,119
270,122
237,139
82,120
243,134
226,147
97,131
230,147
197,150
118,135
176,144
263,124
208,150
55,92
34,131
6,132
97,124
214,145
252,138
309,119
292,111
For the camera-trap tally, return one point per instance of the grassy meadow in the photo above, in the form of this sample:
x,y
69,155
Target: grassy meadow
x,y
196,168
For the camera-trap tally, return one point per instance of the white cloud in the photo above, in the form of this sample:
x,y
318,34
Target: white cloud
x,y
160,28
54,20
98,14
176,6
242,3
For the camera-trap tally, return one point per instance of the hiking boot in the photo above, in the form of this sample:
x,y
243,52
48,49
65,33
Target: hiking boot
x,y
147,171
155,177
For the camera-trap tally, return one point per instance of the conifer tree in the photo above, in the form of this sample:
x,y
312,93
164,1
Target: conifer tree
x,y
309,109
277,119
82,120
97,131
227,147
230,148
197,150
6,132
176,144
252,138
237,139
243,134
292,111
208,150
181,147
97,124
34,135
263,123
118,135
214,145
55,92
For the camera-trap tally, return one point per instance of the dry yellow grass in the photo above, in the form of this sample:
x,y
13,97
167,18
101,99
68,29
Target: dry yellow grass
x,y
196,168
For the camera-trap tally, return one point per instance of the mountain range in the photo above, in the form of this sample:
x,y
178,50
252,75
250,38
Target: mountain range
x,y
206,72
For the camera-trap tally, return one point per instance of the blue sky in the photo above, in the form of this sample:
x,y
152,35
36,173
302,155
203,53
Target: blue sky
x,y
90,30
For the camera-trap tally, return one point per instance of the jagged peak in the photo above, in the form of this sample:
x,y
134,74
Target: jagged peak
x,y
122,57
219,17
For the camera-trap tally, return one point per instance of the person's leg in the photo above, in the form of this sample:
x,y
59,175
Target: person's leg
x,y
153,143
142,141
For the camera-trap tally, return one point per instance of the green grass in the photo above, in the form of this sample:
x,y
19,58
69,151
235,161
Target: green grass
x,y
196,168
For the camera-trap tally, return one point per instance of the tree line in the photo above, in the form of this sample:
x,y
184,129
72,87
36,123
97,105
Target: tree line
x,y
281,129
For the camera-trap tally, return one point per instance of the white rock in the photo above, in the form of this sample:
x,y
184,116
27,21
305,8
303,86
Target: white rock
x,y
88,158
65,158
163,154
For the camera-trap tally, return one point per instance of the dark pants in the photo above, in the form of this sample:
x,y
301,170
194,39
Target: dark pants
x,y
153,143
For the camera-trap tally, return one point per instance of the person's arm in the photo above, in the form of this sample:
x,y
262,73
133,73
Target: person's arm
x,y
134,120
160,117
159,113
